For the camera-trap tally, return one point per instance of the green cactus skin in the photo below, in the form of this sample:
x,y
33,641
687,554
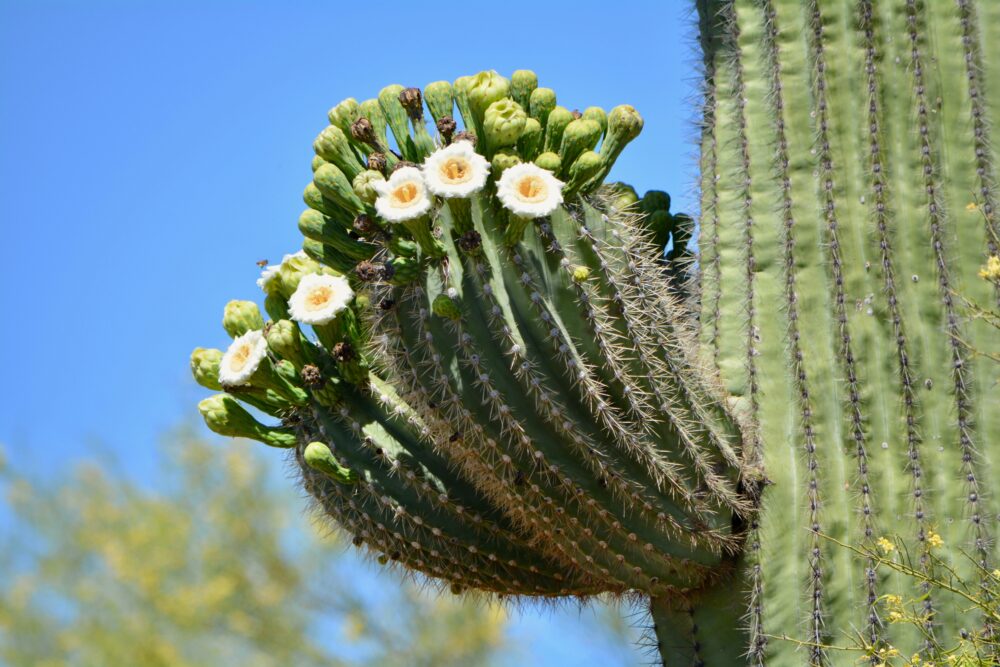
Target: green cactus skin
x,y
843,141
553,407
503,407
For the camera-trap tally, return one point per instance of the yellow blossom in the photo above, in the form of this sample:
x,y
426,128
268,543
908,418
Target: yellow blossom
x,y
996,574
885,545
992,269
971,206
934,539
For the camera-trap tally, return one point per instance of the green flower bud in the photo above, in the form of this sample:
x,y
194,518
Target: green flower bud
x,y
461,91
400,246
403,270
522,83
285,340
550,161
503,159
596,114
445,306
530,141
240,317
486,88
333,146
395,114
335,185
364,185
624,122
683,228
438,96
317,162
205,367
344,114
655,200
558,119
580,135
319,457
542,102
224,415
276,306
371,110
503,123
582,170
332,259
659,224
290,272
624,196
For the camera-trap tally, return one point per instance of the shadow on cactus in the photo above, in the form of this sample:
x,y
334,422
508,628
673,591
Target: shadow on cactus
x,y
476,360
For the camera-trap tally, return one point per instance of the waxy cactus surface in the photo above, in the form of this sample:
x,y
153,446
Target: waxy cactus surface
x,y
488,370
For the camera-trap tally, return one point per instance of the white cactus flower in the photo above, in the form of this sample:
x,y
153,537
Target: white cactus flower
x,y
319,297
456,170
242,359
528,191
402,197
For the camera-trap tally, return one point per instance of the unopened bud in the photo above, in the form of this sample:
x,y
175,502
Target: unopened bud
x,y
205,364
240,317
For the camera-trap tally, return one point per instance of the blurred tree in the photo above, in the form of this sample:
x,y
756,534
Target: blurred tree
x,y
203,569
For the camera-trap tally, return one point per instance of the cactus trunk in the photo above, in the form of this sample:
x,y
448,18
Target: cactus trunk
x,y
848,197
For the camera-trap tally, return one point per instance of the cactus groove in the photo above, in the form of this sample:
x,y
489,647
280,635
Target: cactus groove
x,y
489,371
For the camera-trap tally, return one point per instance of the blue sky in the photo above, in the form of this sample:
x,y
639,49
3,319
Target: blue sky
x,y
151,153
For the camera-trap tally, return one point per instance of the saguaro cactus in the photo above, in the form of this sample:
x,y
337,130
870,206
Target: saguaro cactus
x,y
508,387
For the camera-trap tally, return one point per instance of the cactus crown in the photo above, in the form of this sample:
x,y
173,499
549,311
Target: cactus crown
x,y
496,390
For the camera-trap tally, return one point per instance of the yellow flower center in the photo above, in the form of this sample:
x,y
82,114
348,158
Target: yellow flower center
x,y
531,189
405,194
456,170
318,297
240,357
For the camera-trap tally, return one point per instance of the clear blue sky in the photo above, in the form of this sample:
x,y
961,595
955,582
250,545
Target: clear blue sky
x,y
150,153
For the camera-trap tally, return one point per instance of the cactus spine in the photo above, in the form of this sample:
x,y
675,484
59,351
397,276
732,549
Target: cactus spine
x,y
848,196
508,387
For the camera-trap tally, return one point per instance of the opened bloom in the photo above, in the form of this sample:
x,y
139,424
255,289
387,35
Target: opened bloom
x,y
456,170
319,298
268,273
528,191
242,358
402,197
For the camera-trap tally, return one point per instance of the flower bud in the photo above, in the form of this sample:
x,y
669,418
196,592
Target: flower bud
x,y
530,141
332,145
413,103
371,111
624,122
580,135
597,115
438,96
558,119
205,364
403,270
335,185
319,457
444,306
503,159
549,161
344,114
582,170
224,415
624,196
317,162
395,114
503,123
285,340
461,93
240,317
364,185
486,88
655,200
541,104
522,83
